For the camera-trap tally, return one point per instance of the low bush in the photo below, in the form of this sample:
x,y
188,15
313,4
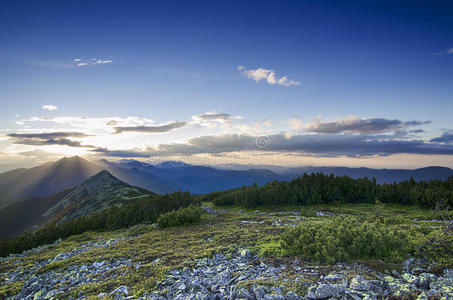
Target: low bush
x,y
349,238
182,216
438,248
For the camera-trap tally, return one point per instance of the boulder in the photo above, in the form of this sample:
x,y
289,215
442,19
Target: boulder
x,y
324,291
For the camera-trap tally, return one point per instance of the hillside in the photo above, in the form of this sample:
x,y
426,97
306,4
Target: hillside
x,y
95,194
21,215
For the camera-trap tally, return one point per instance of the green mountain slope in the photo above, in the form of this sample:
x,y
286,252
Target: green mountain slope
x,y
95,194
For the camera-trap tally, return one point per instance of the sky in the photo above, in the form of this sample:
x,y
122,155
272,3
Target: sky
x,y
291,83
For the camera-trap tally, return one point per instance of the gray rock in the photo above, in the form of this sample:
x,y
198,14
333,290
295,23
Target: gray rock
x,y
245,253
273,297
122,290
425,279
98,264
411,279
395,273
242,293
359,283
443,286
292,296
260,291
325,291
51,294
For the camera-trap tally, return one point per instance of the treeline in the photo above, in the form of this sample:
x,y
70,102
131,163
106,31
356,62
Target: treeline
x,y
318,188
182,216
146,210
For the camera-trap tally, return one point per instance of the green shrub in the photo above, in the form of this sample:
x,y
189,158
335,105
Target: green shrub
x,y
438,248
182,216
350,238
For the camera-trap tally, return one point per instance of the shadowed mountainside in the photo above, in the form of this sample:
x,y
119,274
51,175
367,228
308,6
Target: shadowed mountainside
x,y
44,180
21,215
97,193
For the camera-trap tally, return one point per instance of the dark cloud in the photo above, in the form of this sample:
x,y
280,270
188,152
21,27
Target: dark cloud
x,y
121,153
363,126
331,145
446,137
317,145
213,116
48,138
48,135
151,129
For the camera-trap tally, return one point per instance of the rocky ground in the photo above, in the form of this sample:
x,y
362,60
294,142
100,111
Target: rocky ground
x,y
111,267
241,276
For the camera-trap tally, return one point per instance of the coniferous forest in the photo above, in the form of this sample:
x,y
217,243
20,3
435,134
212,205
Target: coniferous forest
x,y
325,189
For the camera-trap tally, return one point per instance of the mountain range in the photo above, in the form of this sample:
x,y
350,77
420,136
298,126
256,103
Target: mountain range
x,y
53,177
72,187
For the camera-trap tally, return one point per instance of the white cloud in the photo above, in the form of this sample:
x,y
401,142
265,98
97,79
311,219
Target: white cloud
x,y
49,107
295,124
450,51
92,61
94,125
267,75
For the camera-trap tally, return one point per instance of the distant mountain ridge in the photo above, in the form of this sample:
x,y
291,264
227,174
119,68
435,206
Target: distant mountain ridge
x,y
382,175
202,179
53,177
199,179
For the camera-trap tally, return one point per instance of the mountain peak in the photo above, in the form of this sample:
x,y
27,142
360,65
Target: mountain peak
x,y
103,178
98,192
75,158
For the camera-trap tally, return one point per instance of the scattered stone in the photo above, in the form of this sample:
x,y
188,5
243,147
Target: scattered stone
x,y
359,283
325,214
209,210
120,290
227,276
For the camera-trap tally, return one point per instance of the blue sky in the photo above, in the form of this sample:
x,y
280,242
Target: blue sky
x,y
162,62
